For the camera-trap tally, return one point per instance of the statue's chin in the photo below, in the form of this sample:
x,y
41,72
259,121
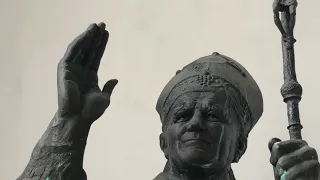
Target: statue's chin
x,y
198,157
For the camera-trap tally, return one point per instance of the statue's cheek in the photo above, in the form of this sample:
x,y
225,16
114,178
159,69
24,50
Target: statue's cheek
x,y
218,136
172,134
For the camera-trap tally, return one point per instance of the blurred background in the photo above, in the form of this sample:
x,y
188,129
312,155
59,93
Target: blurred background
x,y
149,41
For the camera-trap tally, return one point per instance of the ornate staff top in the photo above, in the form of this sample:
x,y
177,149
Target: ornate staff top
x,y
291,91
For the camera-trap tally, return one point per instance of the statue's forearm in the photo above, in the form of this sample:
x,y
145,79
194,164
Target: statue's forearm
x,y
59,152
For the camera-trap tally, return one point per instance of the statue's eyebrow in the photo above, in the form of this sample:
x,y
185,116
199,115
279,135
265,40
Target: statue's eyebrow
x,y
213,105
182,105
216,108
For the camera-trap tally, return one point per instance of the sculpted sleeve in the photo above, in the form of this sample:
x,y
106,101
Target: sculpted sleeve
x,y
58,155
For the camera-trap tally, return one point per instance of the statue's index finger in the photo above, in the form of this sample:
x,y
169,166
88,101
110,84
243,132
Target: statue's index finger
x,y
289,145
85,35
79,42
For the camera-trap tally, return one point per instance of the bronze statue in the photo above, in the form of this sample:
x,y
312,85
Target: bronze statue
x,y
207,111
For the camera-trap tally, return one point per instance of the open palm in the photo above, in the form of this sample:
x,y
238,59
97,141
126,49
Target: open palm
x,y
78,92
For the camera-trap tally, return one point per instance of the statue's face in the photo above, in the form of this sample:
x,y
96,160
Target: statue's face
x,y
199,131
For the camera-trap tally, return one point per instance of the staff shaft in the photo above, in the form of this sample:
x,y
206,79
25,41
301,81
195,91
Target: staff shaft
x,y
291,90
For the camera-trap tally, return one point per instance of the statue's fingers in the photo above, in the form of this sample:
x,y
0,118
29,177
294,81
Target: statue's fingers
x,y
284,147
290,145
273,157
100,51
85,45
73,46
94,45
79,43
303,154
305,170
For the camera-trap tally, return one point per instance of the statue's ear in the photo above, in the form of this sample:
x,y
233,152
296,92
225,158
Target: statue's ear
x,y
163,144
242,147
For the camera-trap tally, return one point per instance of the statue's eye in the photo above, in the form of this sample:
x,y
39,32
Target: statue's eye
x,y
212,117
183,116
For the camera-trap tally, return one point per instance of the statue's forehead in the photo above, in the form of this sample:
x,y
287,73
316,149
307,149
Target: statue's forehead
x,y
210,98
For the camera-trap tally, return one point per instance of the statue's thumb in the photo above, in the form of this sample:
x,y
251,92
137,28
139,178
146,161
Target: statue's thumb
x,y
109,86
272,142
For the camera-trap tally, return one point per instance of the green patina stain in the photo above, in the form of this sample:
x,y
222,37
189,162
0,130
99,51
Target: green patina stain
x,y
282,174
206,165
48,178
220,139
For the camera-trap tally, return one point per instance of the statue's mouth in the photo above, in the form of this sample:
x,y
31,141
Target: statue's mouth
x,y
196,140
199,144
196,137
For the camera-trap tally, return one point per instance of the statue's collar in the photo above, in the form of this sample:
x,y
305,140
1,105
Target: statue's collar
x,y
170,176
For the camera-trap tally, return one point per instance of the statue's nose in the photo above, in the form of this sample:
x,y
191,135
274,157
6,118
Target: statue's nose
x,y
197,122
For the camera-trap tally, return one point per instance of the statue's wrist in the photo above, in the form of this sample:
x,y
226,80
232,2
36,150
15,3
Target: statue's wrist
x,y
66,132
54,161
65,138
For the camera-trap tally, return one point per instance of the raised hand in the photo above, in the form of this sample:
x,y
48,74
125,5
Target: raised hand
x,y
59,152
78,92
294,160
